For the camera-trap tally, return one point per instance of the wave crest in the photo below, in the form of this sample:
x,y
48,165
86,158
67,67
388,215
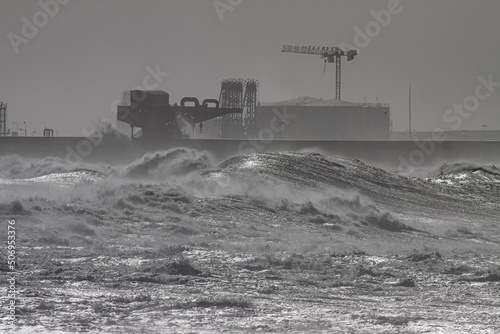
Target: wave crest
x,y
174,162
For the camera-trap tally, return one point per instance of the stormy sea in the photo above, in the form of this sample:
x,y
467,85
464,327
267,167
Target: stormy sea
x,y
289,242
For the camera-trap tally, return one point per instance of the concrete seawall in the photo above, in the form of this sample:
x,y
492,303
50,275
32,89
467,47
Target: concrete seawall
x,y
388,154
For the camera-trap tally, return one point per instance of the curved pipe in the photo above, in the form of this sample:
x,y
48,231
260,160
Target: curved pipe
x,y
209,101
190,99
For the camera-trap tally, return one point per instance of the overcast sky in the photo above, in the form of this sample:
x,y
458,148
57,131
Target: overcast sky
x,y
67,75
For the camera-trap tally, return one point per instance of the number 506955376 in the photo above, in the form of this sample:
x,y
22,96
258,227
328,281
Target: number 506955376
x,y
11,243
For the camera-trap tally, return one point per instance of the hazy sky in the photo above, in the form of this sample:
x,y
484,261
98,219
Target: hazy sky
x,y
68,75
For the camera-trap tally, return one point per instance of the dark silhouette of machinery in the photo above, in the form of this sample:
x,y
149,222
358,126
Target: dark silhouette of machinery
x,y
152,113
239,93
48,132
231,96
330,54
3,120
250,103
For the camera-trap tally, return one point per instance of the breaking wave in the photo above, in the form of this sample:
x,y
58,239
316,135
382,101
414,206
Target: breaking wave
x,y
174,162
330,191
464,167
178,236
16,167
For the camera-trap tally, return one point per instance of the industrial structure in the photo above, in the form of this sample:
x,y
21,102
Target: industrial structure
x,y
307,118
3,120
48,132
151,112
239,115
239,93
303,118
331,55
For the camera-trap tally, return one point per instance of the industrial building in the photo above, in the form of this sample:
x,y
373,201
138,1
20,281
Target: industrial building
x,y
303,118
307,118
151,113
238,114
312,119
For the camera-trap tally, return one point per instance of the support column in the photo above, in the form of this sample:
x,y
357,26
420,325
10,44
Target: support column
x,y
338,77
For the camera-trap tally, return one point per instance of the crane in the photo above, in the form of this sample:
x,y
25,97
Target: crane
x,y
330,54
